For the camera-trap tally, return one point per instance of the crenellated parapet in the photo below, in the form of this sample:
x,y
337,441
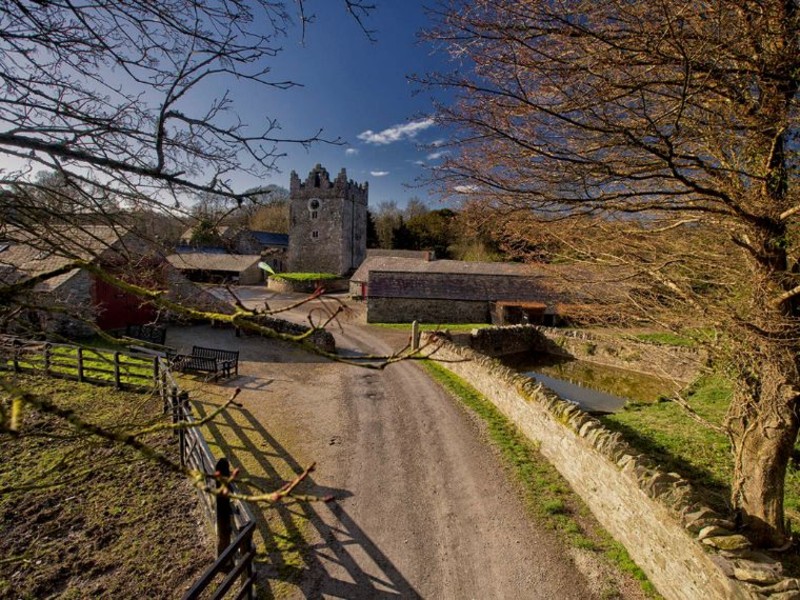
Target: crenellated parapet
x,y
319,184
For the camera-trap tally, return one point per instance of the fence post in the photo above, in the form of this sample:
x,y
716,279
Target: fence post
x,y
47,358
155,371
162,388
117,382
16,346
183,401
223,470
174,403
80,363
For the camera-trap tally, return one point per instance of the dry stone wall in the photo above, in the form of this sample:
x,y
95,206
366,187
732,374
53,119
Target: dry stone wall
x,y
687,550
276,284
682,364
405,310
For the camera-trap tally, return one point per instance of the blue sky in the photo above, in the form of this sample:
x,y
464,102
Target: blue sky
x,y
358,91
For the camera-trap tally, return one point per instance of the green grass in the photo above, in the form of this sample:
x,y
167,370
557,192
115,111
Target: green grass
x,y
690,337
667,338
306,276
97,364
664,431
434,326
546,494
82,517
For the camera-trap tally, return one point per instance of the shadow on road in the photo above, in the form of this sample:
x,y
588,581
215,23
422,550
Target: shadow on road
x,y
345,563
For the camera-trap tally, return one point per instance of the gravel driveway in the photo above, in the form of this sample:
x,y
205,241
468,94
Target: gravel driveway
x,y
423,508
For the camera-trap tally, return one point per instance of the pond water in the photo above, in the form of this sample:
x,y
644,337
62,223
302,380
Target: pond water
x,y
595,388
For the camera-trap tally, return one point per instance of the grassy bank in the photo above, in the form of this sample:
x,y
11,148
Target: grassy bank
x,y
666,432
456,327
81,517
546,494
305,276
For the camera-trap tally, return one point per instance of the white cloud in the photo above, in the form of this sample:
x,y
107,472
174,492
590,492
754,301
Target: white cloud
x,y
351,151
395,133
437,143
437,155
379,173
419,163
466,189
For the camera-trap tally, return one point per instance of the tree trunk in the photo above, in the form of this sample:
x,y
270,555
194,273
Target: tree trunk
x,y
763,429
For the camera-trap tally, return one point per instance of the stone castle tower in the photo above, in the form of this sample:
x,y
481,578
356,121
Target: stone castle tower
x,y
327,223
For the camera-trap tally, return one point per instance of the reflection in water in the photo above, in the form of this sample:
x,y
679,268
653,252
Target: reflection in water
x,y
594,387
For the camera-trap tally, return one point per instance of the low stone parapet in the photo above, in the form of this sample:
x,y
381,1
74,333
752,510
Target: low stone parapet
x,y
309,286
687,549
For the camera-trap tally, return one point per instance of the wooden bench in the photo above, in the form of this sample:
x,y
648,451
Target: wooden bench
x,y
207,360
199,364
229,358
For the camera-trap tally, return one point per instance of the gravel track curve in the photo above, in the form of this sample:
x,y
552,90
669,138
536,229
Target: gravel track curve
x,y
423,508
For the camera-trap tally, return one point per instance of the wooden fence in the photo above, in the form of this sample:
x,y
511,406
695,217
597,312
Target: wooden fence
x,y
67,361
233,519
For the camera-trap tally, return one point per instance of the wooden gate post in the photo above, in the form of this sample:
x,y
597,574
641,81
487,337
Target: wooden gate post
x,y
80,363
183,408
173,401
117,382
16,347
224,514
415,336
47,358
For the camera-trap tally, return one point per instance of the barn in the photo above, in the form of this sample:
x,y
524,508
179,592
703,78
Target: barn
x,y
219,267
399,290
74,302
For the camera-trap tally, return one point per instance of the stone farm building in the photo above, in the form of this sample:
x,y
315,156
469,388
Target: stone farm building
x,y
82,300
399,290
219,267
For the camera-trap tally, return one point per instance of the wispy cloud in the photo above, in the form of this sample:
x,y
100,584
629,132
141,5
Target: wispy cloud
x,y
379,173
419,163
466,189
351,151
395,133
437,143
437,155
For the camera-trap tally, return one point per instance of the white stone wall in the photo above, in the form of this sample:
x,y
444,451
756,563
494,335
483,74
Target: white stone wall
x,y
655,515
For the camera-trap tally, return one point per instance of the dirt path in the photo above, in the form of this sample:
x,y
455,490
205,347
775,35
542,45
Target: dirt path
x,y
423,508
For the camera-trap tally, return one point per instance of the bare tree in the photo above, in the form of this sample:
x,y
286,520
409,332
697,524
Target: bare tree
x,y
111,100
662,137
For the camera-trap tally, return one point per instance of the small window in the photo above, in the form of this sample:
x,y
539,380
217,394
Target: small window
x,y
314,234
313,214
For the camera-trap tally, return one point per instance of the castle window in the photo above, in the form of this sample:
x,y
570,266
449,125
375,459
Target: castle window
x,y
313,214
314,234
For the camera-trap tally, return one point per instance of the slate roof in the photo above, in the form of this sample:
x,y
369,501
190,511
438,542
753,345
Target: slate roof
x,y
420,254
267,238
201,261
29,254
416,265
393,277
221,230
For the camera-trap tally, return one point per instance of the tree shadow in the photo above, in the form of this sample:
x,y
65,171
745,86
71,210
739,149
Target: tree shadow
x,y
706,484
345,563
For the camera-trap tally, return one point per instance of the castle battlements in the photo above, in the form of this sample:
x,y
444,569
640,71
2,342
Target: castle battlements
x,y
319,184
